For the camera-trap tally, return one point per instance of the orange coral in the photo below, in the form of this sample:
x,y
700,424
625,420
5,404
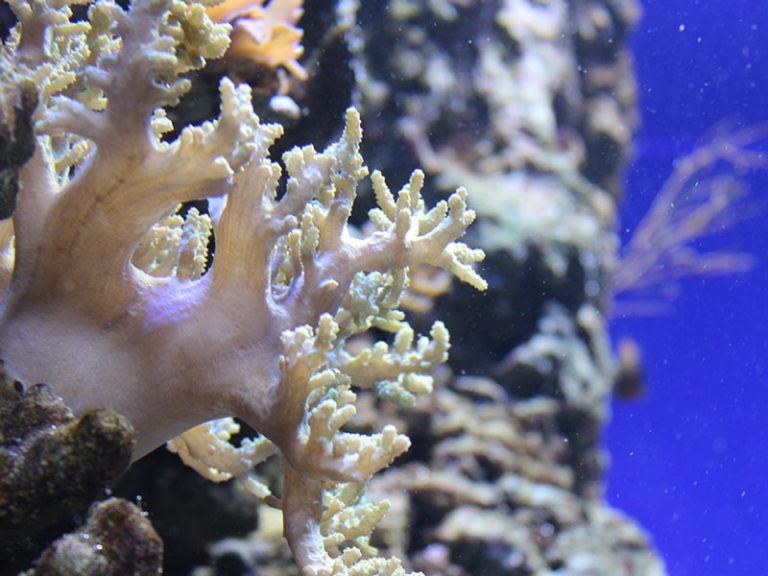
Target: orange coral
x,y
265,34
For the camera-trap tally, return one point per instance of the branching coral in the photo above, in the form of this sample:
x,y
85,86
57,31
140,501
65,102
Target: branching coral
x,y
108,301
700,198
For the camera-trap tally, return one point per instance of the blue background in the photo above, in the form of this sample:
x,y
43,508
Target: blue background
x,y
690,458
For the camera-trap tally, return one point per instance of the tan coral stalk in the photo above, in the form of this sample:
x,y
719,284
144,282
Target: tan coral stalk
x,y
108,302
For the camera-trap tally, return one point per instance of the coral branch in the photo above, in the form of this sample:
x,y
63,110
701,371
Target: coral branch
x,y
115,300
691,205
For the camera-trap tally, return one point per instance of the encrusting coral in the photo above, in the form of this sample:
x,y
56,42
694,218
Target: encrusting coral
x,y
52,466
109,300
116,540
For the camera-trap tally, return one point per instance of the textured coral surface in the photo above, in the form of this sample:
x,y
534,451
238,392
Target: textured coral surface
x,y
173,256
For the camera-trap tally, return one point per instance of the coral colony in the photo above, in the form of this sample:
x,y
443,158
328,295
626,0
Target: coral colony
x,y
173,273
110,297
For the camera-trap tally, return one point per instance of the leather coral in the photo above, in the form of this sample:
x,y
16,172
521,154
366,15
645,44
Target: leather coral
x,y
113,300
